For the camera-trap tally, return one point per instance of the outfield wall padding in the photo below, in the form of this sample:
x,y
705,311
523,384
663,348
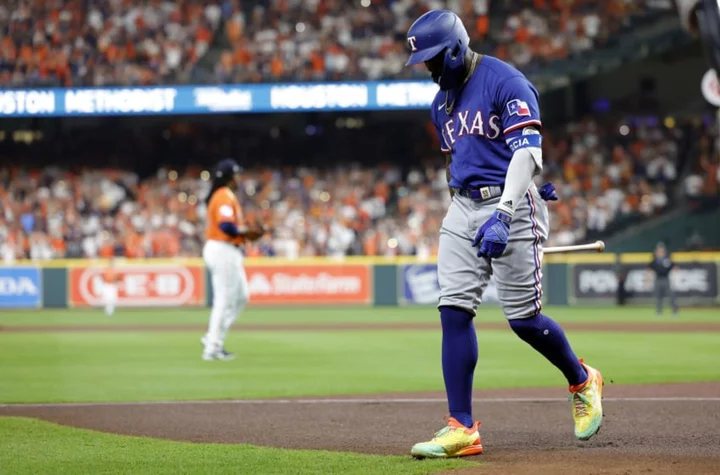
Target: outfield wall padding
x,y
579,279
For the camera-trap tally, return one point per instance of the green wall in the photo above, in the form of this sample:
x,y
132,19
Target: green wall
x,y
54,287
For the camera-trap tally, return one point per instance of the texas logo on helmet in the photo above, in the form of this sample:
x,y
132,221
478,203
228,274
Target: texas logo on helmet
x,y
518,108
411,42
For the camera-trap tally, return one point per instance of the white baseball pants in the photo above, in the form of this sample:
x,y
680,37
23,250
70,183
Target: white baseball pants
x,y
230,290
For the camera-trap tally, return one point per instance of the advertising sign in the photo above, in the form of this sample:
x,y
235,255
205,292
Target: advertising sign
x,y
310,284
140,286
20,287
599,281
419,285
256,98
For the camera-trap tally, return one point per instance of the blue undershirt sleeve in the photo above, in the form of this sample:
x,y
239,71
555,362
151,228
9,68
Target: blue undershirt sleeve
x,y
229,228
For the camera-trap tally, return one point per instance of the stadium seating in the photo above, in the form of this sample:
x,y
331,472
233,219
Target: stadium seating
x,y
606,178
146,42
334,40
103,42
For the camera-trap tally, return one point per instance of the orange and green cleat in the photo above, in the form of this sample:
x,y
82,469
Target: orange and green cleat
x,y
586,401
453,440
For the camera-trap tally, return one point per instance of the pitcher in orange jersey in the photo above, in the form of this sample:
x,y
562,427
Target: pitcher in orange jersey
x,y
109,288
226,231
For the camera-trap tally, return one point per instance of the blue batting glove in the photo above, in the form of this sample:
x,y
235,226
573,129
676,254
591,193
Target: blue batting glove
x,y
493,236
547,192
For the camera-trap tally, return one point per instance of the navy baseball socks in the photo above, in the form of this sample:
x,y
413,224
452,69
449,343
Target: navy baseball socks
x,y
460,354
548,338
459,358
586,383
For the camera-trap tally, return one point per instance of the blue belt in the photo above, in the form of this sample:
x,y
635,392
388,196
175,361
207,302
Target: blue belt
x,y
480,194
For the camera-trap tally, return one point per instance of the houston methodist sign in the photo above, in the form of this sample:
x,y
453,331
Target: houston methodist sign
x,y
240,98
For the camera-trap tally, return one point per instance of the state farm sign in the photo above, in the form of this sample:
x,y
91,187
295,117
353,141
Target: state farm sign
x,y
141,286
322,284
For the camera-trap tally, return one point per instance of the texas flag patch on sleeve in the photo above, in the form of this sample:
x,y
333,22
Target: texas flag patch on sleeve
x,y
518,108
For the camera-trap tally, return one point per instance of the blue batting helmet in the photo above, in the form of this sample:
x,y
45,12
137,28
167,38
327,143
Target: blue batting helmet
x,y
225,169
435,32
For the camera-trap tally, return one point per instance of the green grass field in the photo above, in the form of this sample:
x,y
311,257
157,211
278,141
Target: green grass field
x,y
129,316
136,365
75,451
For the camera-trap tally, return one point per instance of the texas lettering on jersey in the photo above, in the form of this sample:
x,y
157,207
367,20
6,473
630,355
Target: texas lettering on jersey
x,y
485,126
464,123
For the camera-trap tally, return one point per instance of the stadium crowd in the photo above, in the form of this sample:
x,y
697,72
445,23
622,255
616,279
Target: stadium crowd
x,y
334,39
122,42
103,42
603,176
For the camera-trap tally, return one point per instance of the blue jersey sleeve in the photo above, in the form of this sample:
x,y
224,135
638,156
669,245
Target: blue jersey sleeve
x,y
517,102
444,147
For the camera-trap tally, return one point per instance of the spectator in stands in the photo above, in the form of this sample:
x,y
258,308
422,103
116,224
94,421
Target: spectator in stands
x,y
331,39
108,42
602,177
103,42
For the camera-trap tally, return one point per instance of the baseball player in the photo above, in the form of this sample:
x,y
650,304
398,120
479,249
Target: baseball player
x,y
663,266
487,118
225,233
109,287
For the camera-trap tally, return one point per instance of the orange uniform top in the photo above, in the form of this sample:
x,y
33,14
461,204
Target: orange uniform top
x,y
223,208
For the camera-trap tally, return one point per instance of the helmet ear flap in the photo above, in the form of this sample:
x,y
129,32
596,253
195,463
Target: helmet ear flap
x,y
452,66
452,55
456,50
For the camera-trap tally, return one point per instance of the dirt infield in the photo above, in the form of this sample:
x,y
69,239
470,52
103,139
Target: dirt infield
x,y
632,327
658,429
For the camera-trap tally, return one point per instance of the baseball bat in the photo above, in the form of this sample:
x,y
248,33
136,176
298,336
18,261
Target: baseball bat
x,y
598,246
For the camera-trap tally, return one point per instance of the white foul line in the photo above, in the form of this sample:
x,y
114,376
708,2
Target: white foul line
x,y
352,401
